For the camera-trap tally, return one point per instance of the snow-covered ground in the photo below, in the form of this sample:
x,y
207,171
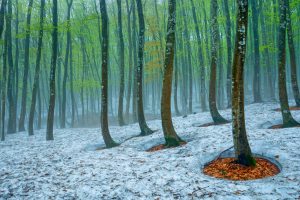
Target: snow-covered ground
x,y
71,168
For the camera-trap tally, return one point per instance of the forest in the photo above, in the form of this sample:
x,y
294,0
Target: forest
x,y
149,99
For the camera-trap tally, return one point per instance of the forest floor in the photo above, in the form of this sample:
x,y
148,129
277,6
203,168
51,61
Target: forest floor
x,y
70,167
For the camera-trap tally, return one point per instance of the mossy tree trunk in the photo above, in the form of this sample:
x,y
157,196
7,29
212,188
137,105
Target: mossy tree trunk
x,y
293,61
37,70
26,69
241,145
217,118
109,142
288,120
172,139
145,130
50,119
122,66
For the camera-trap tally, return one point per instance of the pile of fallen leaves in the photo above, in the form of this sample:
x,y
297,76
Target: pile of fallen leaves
x,y
227,168
162,147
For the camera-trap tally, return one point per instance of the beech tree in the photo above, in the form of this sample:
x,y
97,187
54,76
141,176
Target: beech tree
x,y
50,119
288,120
109,142
242,148
145,130
216,116
26,68
172,139
37,70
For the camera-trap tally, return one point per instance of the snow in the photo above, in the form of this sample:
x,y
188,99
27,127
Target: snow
x,y
71,167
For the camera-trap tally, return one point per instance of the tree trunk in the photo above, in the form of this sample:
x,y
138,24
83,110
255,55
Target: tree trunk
x,y
241,145
288,120
37,70
172,139
11,128
66,65
4,71
26,69
134,40
109,142
256,76
145,130
130,67
50,119
217,118
229,53
201,59
122,66
292,57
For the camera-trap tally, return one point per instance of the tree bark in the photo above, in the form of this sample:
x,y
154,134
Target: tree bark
x,y
145,130
256,76
11,127
293,61
109,142
122,65
66,65
288,120
26,69
37,70
172,139
229,53
217,118
241,145
50,119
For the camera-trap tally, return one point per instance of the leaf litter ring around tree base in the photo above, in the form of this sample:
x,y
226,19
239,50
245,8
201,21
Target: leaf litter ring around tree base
x,y
163,146
227,168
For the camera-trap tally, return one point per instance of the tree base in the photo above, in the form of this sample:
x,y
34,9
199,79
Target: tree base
x,y
165,146
146,132
230,169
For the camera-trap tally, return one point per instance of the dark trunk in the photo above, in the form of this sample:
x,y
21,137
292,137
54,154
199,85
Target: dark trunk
x,y
109,142
288,120
26,69
241,145
217,118
50,119
37,70
145,130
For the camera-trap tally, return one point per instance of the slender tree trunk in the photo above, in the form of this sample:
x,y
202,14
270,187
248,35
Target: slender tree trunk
x,y
37,70
130,67
217,118
134,40
17,55
50,119
145,130
229,52
288,120
189,59
72,86
11,128
176,83
241,145
292,57
4,71
122,65
109,142
26,69
256,77
66,65
201,59
172,139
